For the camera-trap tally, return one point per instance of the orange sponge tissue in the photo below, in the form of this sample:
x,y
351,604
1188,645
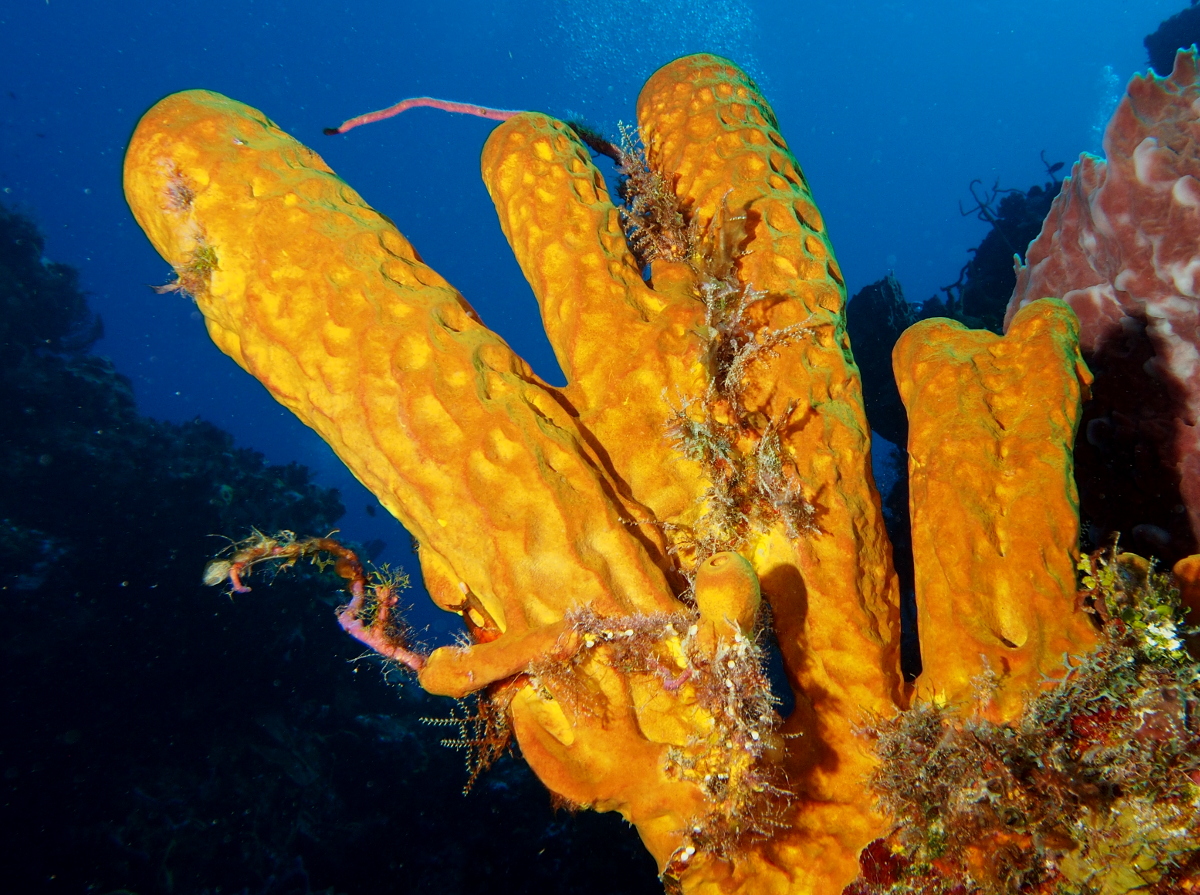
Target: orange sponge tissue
x,y
610,543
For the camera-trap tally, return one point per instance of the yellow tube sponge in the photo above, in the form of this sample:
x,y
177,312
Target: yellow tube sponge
x,y
611,544
991,423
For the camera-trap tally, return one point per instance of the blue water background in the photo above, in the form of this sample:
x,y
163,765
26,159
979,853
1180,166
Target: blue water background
x,y
891,108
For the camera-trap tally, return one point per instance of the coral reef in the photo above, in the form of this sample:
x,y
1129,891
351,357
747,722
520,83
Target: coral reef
x,y
43,308
1119,246
608,544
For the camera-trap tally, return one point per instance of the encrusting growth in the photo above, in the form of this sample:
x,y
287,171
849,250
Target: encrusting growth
x,y
1094,788
750,483
373,613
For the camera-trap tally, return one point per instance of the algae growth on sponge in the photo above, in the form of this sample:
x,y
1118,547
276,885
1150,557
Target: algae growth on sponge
x,y
606,566
1092,789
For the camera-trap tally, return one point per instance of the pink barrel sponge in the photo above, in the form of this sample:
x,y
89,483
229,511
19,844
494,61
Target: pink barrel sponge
x,y
1121,246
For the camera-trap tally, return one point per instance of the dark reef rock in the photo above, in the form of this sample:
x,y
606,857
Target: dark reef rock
x,y
1178,32
875,317
985,284
877,314
159,737
41,307
1125,464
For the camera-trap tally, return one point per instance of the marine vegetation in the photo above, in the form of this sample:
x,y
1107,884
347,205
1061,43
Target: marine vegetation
x,y
1094,788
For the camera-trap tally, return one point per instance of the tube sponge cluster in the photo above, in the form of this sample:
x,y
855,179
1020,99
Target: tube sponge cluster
x,y
616,547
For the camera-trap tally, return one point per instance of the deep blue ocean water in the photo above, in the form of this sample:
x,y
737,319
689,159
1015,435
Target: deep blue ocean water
x,y
892,110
